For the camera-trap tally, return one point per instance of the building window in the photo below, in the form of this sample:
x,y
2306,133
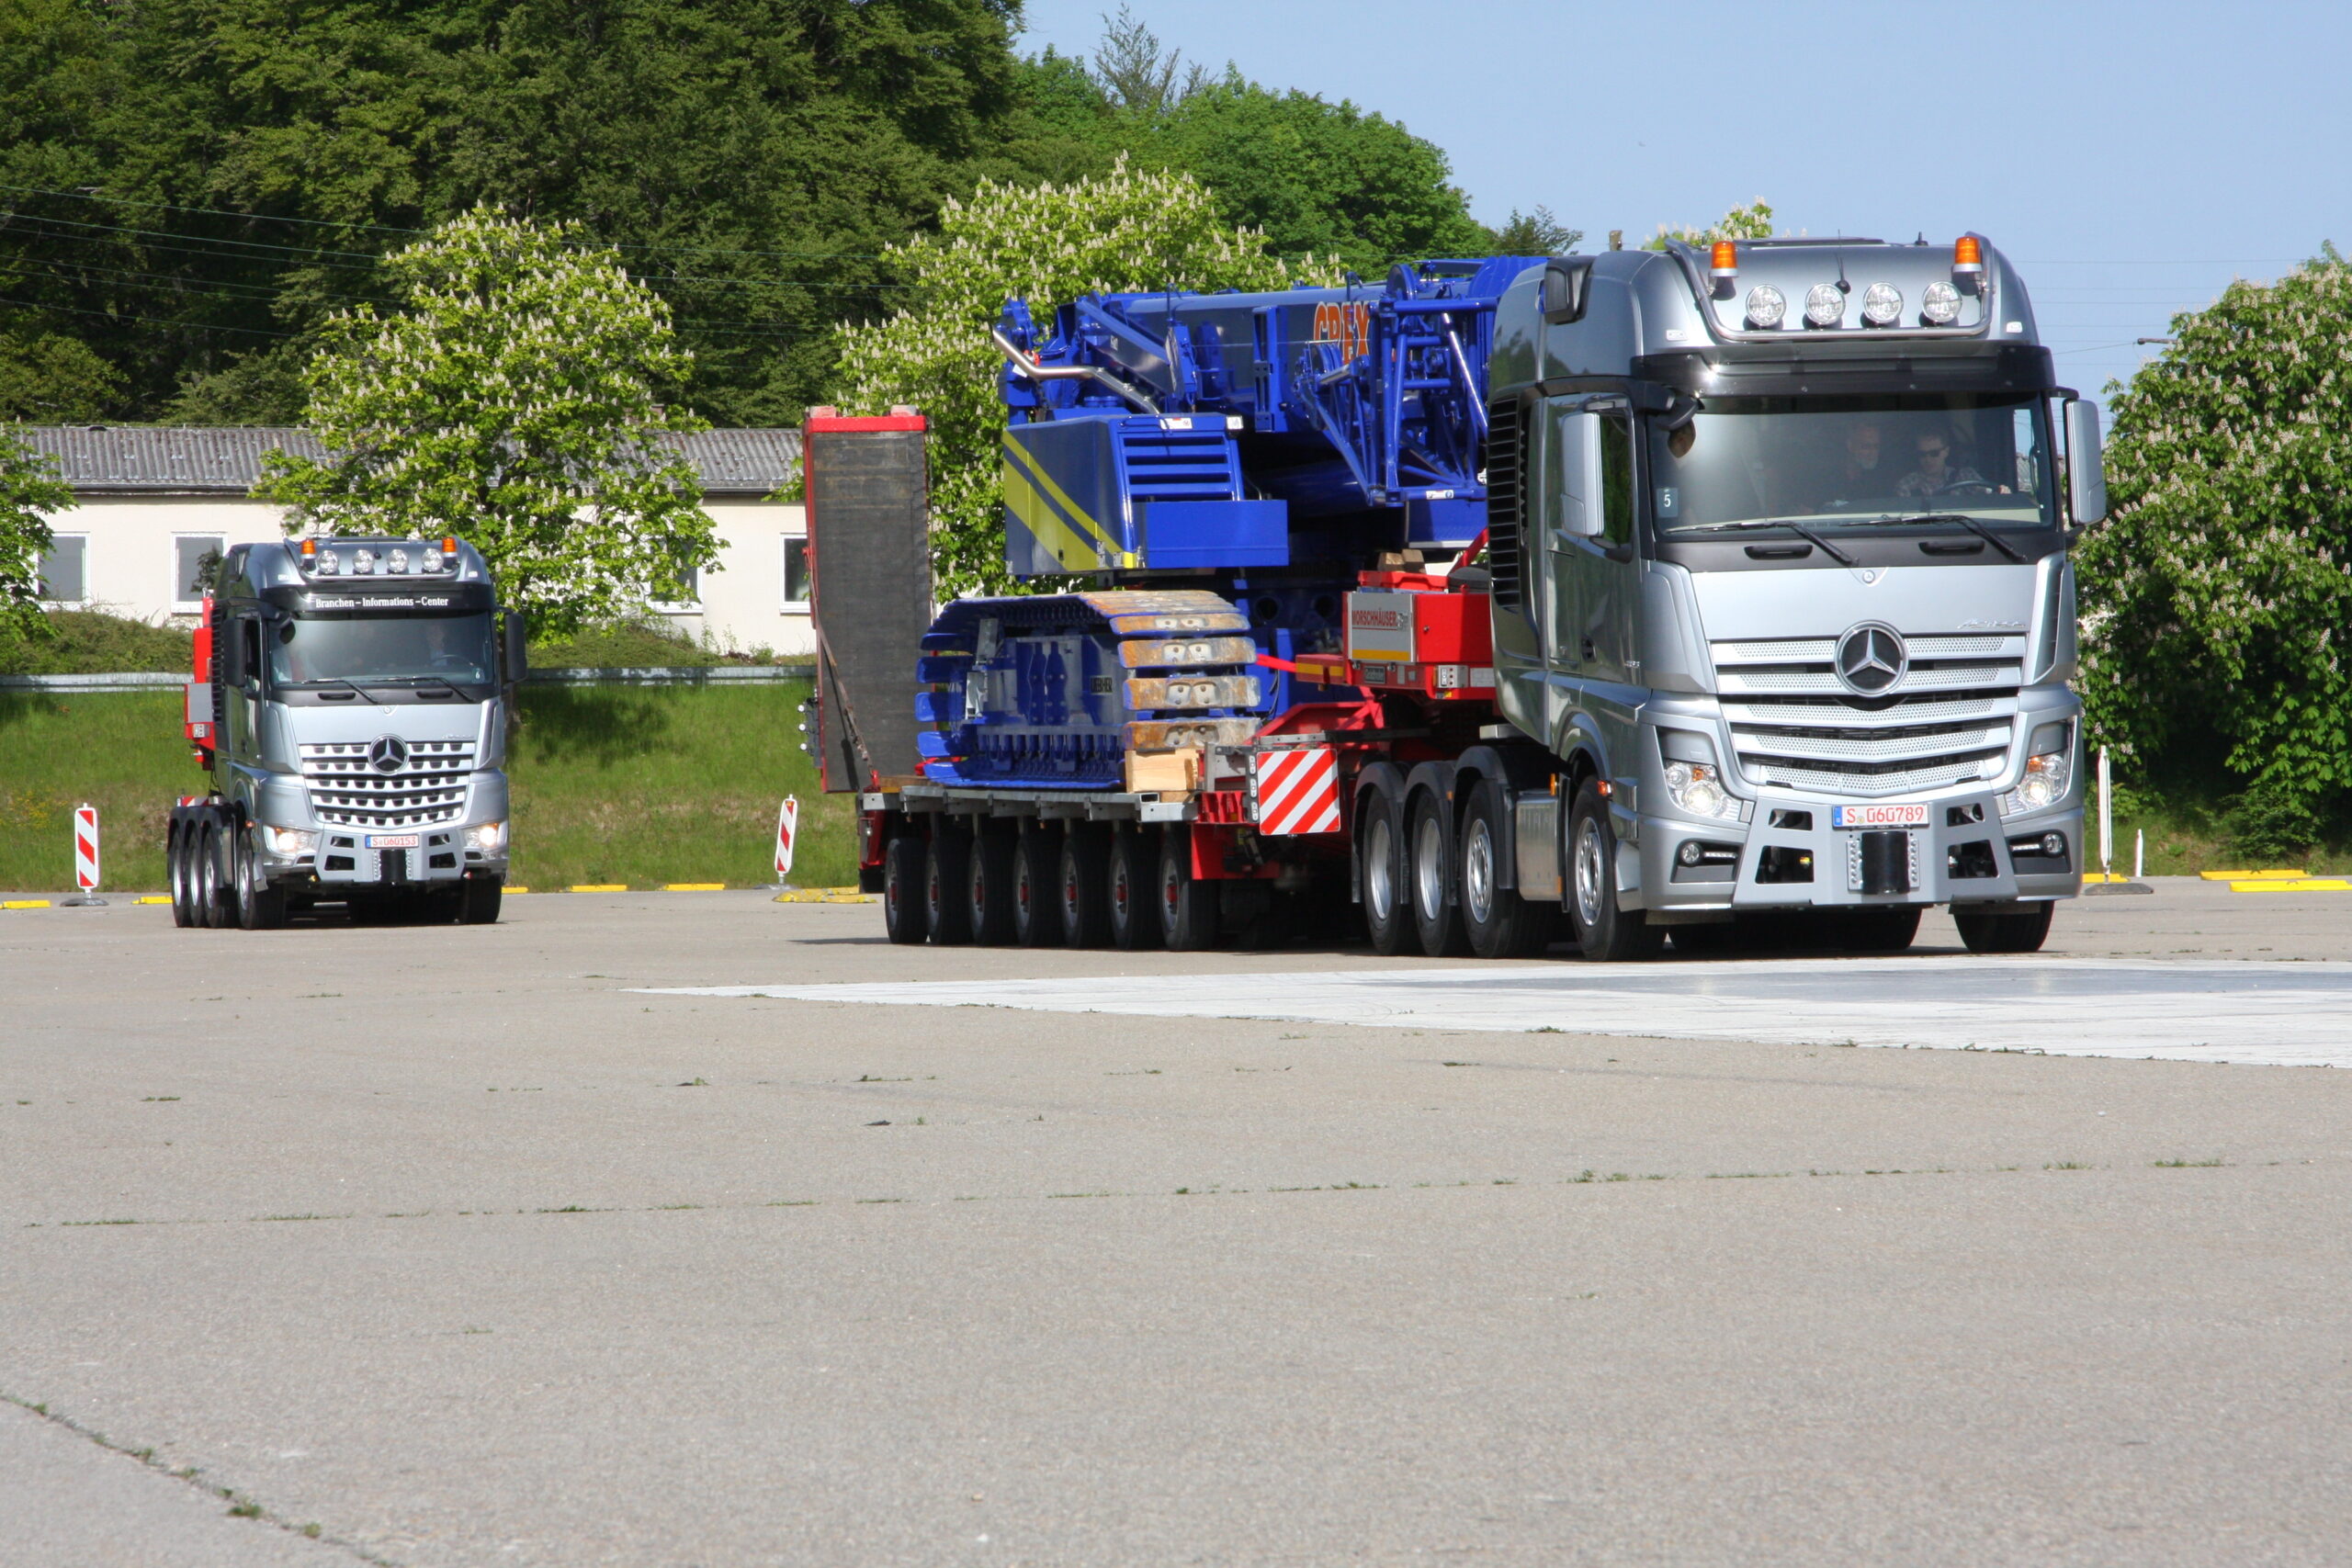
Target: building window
x,y
194,556
64,571
688,603
795,573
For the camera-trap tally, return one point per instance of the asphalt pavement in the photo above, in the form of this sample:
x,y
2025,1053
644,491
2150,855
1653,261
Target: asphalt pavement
x,y
444,1245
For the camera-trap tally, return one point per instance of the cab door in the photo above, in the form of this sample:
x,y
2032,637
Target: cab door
x,y
1590,591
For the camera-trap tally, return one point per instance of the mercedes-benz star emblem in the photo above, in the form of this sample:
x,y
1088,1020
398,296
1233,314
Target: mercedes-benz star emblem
x,y
1872,657
388,753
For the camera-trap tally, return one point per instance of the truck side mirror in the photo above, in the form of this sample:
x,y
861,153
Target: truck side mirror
x,y
517,658
1565,287
2085,468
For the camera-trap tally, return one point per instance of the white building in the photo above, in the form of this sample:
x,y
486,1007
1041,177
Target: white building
x,y
150,503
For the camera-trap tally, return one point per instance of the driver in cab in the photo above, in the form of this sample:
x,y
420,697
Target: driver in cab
x,y
1936,473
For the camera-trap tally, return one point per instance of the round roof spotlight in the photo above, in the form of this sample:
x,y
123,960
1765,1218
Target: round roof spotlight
x,y
1824,305
1766,307
1883,304
363,561
329,563
399,563
1940,303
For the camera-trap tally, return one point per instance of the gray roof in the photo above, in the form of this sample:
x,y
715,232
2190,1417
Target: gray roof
x,y
227,460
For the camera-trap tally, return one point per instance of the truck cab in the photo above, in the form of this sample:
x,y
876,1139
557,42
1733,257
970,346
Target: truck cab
x,y
351,701
1779,538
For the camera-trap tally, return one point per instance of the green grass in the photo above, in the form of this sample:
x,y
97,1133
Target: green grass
x,y
634,784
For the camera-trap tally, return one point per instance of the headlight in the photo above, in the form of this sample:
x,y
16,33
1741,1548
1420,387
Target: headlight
x,y
2047,773
490,838
1824,305
1940,303
1883,304
1765,306
288,843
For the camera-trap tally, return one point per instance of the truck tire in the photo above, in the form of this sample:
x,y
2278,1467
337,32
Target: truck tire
x,y
1877,929
1082,883
1430,856
1605,933
211,875
1132,881
1036,884
988,892
477,903
1188,906
1498,922
1986,931
945,875
260,907
179,862
903,916
1380,870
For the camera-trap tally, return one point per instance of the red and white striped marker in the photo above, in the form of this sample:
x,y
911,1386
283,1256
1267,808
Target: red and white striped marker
x,y
1298,790
85,848
787,829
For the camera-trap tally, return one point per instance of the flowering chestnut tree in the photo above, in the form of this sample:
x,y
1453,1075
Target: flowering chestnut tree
x,y
513,397
2218,594
1046,244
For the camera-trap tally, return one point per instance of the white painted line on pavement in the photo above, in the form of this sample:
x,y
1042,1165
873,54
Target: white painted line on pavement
x,y
2276,1014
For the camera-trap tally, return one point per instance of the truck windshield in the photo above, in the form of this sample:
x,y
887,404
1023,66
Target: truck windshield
x,y
1851,461
384,648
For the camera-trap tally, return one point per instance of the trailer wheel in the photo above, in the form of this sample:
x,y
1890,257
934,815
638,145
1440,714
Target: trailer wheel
x,y
1037,886
1188,906
1380,846
1500,924
1605,933
944,877
1083,883
902,907
1132,880
1430,850
988,894
1986,931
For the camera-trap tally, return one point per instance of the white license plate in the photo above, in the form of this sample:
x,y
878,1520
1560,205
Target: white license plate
x,y
391,841
1913,816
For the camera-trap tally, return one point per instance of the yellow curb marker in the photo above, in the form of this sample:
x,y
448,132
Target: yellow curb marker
x,y
512,888
24,904
598,887
2300,885
2105,876
153,898
823,895
694,887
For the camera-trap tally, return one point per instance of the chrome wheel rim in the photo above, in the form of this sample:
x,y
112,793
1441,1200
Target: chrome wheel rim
x,y
1591,866
1429,867
1478,870
1380,870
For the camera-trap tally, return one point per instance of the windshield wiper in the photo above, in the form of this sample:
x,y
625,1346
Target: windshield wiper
x,y
1963,519
1832,551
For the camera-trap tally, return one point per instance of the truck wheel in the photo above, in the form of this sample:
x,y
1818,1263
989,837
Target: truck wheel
x,y
478,905
178,861
1431,845
1606,933
1188,906
1380,849
988,888
1132,879
1084,881
1499,923
1878,930
1986,931
945,881
260,907
1036,884
211,878
903,915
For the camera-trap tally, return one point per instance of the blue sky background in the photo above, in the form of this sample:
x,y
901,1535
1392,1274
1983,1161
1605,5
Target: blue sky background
x,y
2132,158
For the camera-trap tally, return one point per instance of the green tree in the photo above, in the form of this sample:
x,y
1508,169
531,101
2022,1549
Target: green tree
x,y
513,397
1536,234
1048,245
2218,593
50,378
1752,221
30,493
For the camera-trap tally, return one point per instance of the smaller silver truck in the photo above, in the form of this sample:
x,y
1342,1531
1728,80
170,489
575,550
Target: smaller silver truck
x,y
350,699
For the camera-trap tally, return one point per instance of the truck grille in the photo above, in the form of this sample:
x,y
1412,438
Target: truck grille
x,y
348,791
1949,721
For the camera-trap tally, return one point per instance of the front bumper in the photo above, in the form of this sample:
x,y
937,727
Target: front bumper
x,y
1787,857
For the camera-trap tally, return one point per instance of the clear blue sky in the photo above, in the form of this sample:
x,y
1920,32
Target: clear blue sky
x,y
2132,158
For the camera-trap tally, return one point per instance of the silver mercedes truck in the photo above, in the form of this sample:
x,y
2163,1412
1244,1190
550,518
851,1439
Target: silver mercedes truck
x,y
351,701
1779,535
